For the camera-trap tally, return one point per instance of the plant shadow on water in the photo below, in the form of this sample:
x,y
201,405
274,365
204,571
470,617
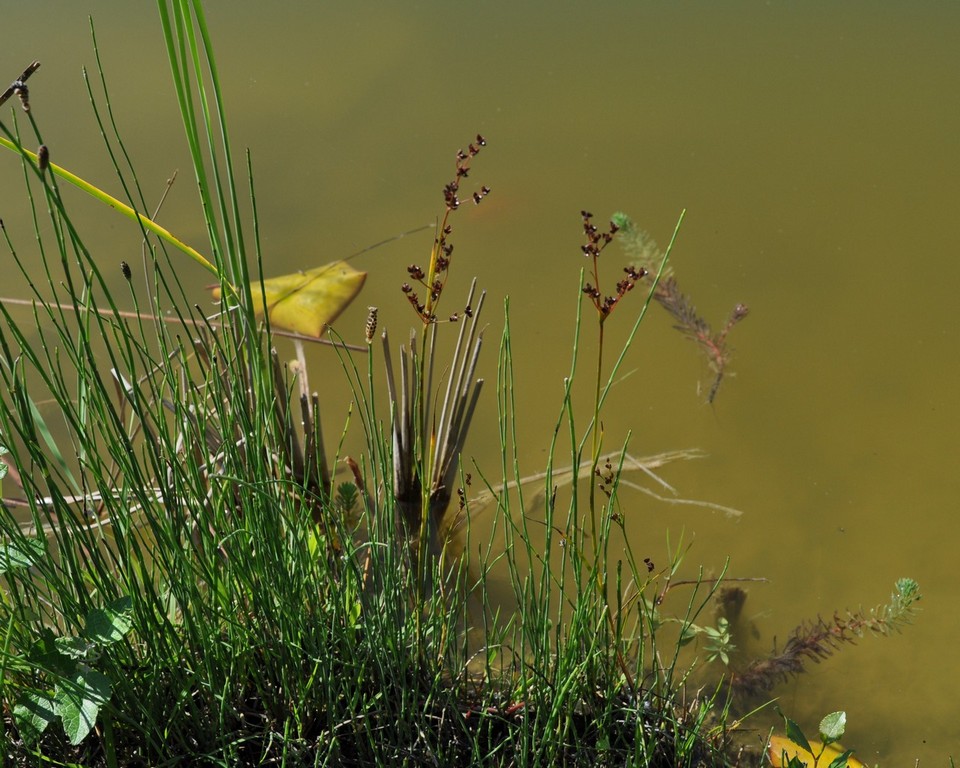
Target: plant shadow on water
x,y
194,586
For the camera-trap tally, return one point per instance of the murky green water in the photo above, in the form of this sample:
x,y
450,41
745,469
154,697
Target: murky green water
x,y
815,148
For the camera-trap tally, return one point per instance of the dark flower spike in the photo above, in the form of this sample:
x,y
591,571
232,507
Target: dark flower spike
x,y
370,328
596,241
435,276
23,93
19,87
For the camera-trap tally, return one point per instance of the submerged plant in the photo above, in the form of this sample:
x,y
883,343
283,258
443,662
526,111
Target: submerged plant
x,y
641,246
819,639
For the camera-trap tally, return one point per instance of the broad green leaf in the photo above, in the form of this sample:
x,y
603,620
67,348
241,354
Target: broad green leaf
x,y
307,302
832,727
782,750
20,554
78,702
33,713
846,760
46,656
795,734
109,625
74,647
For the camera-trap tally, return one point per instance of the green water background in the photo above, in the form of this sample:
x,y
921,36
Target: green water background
x,y
816,148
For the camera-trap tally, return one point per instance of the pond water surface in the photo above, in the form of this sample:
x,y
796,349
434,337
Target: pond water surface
x,y
816,150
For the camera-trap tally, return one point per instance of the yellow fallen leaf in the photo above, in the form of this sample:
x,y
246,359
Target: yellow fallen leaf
x,y
781,750
307,302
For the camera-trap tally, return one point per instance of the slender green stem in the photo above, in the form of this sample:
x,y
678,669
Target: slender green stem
x,y
597,435
611,378
118,206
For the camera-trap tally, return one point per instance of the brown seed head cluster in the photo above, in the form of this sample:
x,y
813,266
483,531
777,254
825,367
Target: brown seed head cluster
x,y
23,93
434,279
606,477
594,246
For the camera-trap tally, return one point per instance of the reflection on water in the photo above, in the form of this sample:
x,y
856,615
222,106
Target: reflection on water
x,y
815,150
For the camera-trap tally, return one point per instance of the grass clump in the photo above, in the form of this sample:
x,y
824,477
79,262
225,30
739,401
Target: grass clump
x,y
184,582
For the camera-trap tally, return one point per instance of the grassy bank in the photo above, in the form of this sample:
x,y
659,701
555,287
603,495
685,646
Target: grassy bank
x,y
186,582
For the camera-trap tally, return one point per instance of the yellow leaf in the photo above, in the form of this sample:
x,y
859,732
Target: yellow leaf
x,y
307,302
781,750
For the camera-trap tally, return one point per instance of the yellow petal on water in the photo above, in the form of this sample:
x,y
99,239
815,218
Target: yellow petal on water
x,y
307,302
781,750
